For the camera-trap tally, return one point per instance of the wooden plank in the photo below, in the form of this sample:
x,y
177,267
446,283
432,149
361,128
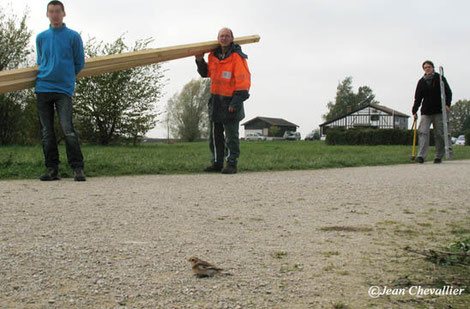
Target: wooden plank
x,y
11,75
187,49
14,80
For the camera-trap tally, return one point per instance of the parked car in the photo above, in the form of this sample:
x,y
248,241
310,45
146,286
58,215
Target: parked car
x,y
255,137
309,137
292,136
460,140
312,136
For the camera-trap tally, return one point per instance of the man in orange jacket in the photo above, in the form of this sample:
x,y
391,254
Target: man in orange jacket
x,y
230,82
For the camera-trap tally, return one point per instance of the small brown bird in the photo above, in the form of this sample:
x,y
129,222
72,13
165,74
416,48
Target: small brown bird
x,y
205,269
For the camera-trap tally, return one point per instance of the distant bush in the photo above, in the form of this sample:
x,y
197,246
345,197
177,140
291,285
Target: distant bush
x,y
467,138
361,136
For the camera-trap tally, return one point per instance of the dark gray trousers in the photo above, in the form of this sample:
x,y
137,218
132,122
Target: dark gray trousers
x,y
224,141
423,134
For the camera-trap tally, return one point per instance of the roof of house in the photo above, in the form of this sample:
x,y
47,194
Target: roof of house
x,y
376,106
272,121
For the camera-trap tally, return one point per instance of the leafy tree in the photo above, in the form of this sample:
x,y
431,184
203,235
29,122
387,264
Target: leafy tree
x,y
459,117
274,131
364,96
120,104
14,40
187,111
14,52
346,100
30,122
466,125
316,134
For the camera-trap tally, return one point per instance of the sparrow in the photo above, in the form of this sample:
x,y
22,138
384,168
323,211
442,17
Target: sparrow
x,y
203,269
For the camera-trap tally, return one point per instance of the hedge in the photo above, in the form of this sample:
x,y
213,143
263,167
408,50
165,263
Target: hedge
x,y
361,136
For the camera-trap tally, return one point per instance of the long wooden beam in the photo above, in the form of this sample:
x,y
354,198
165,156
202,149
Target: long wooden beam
x,y
14,80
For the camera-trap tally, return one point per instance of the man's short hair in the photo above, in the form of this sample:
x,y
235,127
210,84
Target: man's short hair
x,y
55,2
428,62
225,28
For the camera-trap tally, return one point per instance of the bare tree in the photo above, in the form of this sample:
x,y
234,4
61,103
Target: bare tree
x,y
187,111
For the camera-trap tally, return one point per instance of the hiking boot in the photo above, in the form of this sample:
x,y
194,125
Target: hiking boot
x,y
420,160
213,169
229,169
50,174
78,174
437,160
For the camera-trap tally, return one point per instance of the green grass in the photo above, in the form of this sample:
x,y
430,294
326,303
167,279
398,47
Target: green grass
x,y
19,162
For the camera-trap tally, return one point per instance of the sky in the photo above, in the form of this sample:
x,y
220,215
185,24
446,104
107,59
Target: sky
x,y
306,47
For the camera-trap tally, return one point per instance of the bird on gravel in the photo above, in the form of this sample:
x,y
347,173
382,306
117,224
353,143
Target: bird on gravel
x,y
203,269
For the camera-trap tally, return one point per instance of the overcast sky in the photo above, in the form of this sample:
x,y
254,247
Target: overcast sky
x,y
306,47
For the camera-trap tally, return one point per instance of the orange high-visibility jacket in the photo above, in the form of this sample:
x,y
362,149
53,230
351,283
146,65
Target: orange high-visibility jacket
x,y
228,75
230,83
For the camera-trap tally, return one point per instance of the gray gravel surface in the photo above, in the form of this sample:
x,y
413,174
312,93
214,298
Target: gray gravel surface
x,y
296,239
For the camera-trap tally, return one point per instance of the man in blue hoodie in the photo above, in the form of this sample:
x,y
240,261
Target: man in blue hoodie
x,y
60,57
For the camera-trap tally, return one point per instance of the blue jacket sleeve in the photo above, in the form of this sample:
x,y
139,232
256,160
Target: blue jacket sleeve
x,y
78,54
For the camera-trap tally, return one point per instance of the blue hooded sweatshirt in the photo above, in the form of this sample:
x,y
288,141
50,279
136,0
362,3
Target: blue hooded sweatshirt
x,y
60,57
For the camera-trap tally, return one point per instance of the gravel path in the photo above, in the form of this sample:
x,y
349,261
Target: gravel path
x,y
297,239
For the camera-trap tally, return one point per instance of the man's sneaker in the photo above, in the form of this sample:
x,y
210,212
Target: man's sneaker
x,y
78,174
50,174
420,160
229,169
437,160
213,169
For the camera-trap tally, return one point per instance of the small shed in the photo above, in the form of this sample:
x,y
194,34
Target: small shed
x,y
269,126
369,116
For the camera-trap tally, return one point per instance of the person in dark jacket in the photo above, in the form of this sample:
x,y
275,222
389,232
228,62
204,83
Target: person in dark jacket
x,y
428,96
230,82
60,57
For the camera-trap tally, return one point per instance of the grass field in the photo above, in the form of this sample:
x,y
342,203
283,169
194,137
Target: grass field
x,y
27,162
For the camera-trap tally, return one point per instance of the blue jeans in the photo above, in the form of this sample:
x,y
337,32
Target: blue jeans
x,y
63,104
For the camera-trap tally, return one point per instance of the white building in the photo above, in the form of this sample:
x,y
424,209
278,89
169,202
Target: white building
x,y
369,116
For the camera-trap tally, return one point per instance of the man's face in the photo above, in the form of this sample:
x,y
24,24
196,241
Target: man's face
x,y
55,14
428,69
225,38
